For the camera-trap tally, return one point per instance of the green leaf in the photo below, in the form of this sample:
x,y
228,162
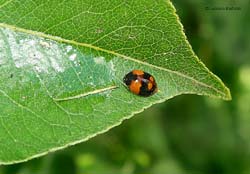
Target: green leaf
x,y
62,64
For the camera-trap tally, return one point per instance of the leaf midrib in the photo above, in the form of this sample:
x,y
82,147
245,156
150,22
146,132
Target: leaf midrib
x,y
59,39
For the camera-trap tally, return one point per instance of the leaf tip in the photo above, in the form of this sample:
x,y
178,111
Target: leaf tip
x,y
228,95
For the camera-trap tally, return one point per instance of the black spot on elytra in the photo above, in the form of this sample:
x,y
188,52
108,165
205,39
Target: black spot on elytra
x,y
144,88
146,75
144,91
128,78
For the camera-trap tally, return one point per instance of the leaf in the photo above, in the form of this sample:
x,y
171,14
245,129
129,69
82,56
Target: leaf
x,y
62,64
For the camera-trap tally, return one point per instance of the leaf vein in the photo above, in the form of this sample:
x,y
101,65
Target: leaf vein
x,y
24,107
6,3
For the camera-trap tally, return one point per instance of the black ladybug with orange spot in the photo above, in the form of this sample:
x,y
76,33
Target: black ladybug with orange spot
x,y
140,83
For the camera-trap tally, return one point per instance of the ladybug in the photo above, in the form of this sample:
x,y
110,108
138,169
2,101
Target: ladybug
x,y
140,83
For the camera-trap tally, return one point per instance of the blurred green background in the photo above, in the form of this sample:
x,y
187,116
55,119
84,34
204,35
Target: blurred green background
x,y
185,135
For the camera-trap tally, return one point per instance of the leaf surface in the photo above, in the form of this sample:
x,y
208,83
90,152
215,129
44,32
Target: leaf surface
x,y
62,65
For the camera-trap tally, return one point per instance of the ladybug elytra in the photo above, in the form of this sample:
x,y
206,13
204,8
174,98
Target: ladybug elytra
x,y
140,83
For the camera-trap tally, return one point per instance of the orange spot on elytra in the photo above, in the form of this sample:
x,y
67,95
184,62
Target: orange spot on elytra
x,y
151,79
150,86
135,86
138,72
